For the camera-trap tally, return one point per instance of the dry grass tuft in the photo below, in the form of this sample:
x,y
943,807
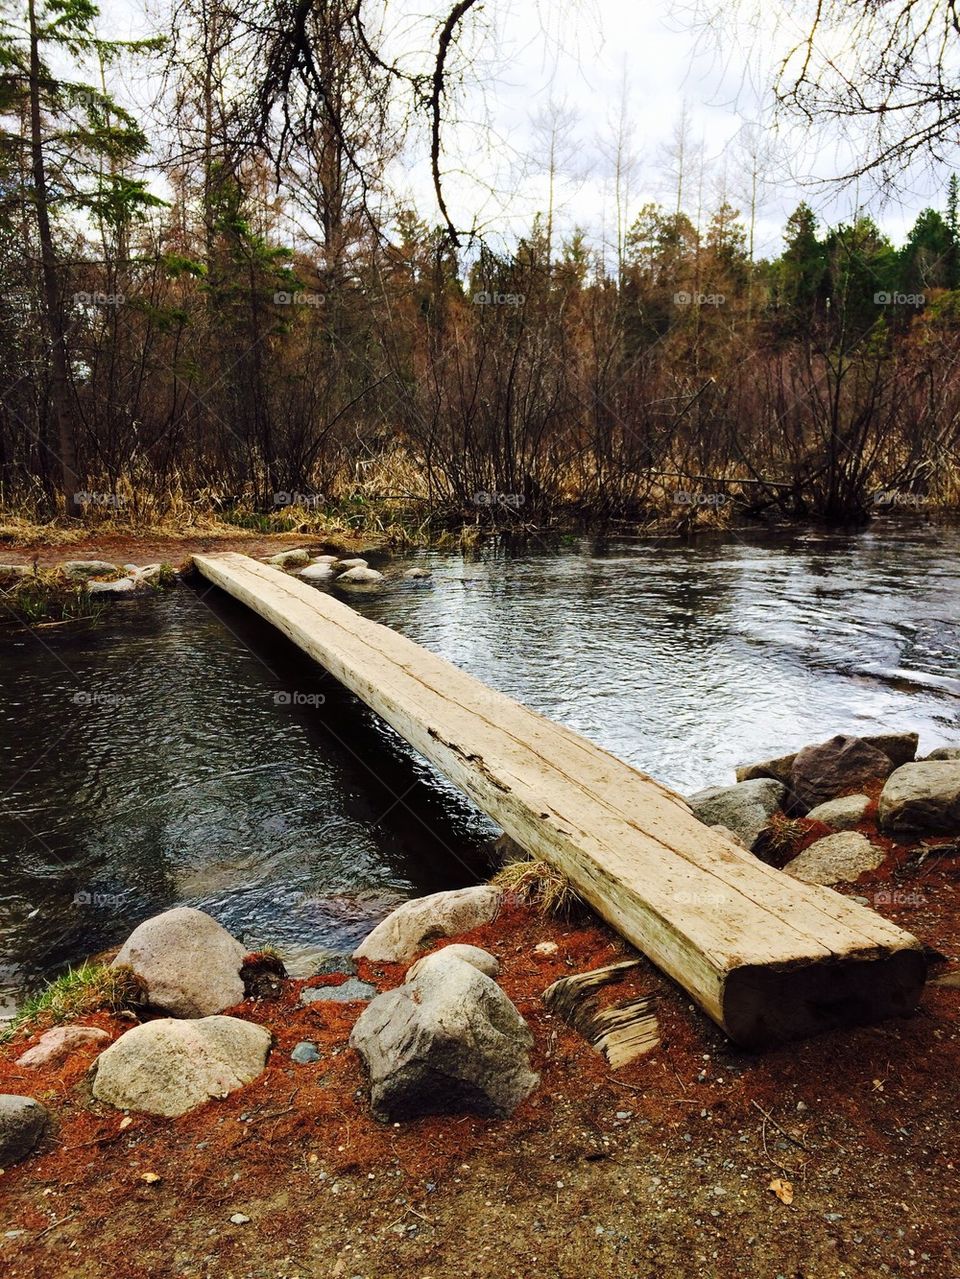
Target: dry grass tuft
x,y
536,883
179,521
782,839
20,530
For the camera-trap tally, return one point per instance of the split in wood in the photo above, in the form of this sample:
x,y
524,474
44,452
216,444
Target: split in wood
x,y
622,1032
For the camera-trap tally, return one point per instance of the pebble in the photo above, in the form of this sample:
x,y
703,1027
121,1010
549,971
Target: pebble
x,y
350,991
335,964
305,1052
546,948
239,1218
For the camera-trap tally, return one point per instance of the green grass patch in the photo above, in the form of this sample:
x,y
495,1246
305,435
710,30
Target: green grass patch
x,y
88,988
47,598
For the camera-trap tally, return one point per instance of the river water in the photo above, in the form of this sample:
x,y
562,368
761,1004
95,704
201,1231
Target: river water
x,y
183,752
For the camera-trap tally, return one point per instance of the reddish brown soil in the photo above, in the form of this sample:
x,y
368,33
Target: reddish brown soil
x,y
149,548
661,1169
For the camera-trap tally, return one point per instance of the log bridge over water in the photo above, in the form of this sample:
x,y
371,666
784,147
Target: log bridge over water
x,y
767,957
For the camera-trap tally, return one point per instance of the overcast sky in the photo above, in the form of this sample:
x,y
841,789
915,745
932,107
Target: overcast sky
x,y
600,59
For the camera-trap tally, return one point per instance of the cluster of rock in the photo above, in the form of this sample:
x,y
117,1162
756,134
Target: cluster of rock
x,y
349,573
447,1039
824,782
190,967
100,576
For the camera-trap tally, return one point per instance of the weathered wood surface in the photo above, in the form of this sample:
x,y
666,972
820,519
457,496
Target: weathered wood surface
x,y
622,1031
767,957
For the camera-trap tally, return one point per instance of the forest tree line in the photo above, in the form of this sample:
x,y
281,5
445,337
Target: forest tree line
x,y
172,340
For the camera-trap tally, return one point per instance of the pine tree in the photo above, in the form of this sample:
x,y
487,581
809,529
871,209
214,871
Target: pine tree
x,y
802,269
77,140
863,267
953,226
726,261
925,259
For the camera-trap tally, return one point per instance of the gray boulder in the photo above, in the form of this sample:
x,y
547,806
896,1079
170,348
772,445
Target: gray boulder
x,y
744,809
840,858
145,574
356,562
482,960
119,586
168,1067
289,559
87,568
411,926
189,963
316,573
23,1121
778,769
898,747
360,576
842,763
945,752
841,813
922,798
901,747
416,574
446,1041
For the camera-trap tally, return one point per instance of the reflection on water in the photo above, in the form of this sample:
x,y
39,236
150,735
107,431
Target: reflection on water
x,y
185,753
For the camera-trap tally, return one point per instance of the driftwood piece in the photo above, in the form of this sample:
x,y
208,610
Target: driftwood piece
x,y
621,1031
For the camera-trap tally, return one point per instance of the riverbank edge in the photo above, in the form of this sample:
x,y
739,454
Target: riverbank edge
x,y
379,530
816,1150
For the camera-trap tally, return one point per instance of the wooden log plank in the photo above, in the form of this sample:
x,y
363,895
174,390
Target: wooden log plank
x,y
767,957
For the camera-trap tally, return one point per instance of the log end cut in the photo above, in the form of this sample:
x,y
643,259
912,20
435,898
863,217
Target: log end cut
x,y
763,1006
